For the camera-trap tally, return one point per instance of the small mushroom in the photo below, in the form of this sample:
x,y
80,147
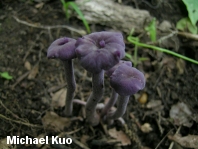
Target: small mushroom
x,y
126,81
111,70
64,49
114,94
97,52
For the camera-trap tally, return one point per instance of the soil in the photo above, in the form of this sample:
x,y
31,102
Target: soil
x,y
26,99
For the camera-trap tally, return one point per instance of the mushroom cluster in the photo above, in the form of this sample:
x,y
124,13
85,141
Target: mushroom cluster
x,y
99,53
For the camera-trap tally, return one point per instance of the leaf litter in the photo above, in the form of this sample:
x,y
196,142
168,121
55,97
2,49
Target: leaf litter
x,y
119,136
181,114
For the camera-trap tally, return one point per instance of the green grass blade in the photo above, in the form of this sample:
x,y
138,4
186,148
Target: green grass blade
x,y
75,7
128,56
131,39
65,6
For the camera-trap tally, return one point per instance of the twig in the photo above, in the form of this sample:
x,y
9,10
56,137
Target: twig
x,y
20,79
135,120
71,132
56,88
23,76
158,123
188,35
172,143
159,77
81,32
184,34
162,140
20,122
9,111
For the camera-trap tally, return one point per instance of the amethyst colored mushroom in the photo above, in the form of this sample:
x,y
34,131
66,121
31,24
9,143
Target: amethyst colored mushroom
x,y
64,49
98,52
126,81
114,94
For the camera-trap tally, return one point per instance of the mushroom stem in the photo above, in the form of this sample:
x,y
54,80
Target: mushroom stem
x,y
110,103
121,108
96,95
71,86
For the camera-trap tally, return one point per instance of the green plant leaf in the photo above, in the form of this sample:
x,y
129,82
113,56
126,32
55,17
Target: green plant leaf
x,y
185,24
5,75
192,7
151,28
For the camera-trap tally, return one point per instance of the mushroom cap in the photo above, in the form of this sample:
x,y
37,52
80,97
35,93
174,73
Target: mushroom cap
x,y
127,80
62,48
111,70
100,50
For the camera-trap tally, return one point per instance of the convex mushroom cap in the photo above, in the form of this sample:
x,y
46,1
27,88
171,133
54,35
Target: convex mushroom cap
x,y
127,80
62,48
100,50
111,70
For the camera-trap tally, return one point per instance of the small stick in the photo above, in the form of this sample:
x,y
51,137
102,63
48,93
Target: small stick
x,y
8,110
172,143
71,132
20,79
188,35
20,122
162,140
81,32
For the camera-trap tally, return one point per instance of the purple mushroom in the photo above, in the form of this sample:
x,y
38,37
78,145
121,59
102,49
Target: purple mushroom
x,y
126,81
98,52
64,49
114,94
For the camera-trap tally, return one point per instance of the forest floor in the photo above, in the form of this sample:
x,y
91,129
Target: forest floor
x,y
165,113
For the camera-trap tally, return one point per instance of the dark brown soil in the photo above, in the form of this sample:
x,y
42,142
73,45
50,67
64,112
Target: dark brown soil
x,y
25,99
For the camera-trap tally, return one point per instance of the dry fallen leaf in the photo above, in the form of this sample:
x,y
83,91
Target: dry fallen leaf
x,y
54,122
119,136
181,114
153,104
39,5
27,65
33,72
190,141
58,98
84,139
180,66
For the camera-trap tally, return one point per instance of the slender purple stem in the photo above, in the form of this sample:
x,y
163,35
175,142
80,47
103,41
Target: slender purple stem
x,y
110,103
71,86
121,108
96,95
